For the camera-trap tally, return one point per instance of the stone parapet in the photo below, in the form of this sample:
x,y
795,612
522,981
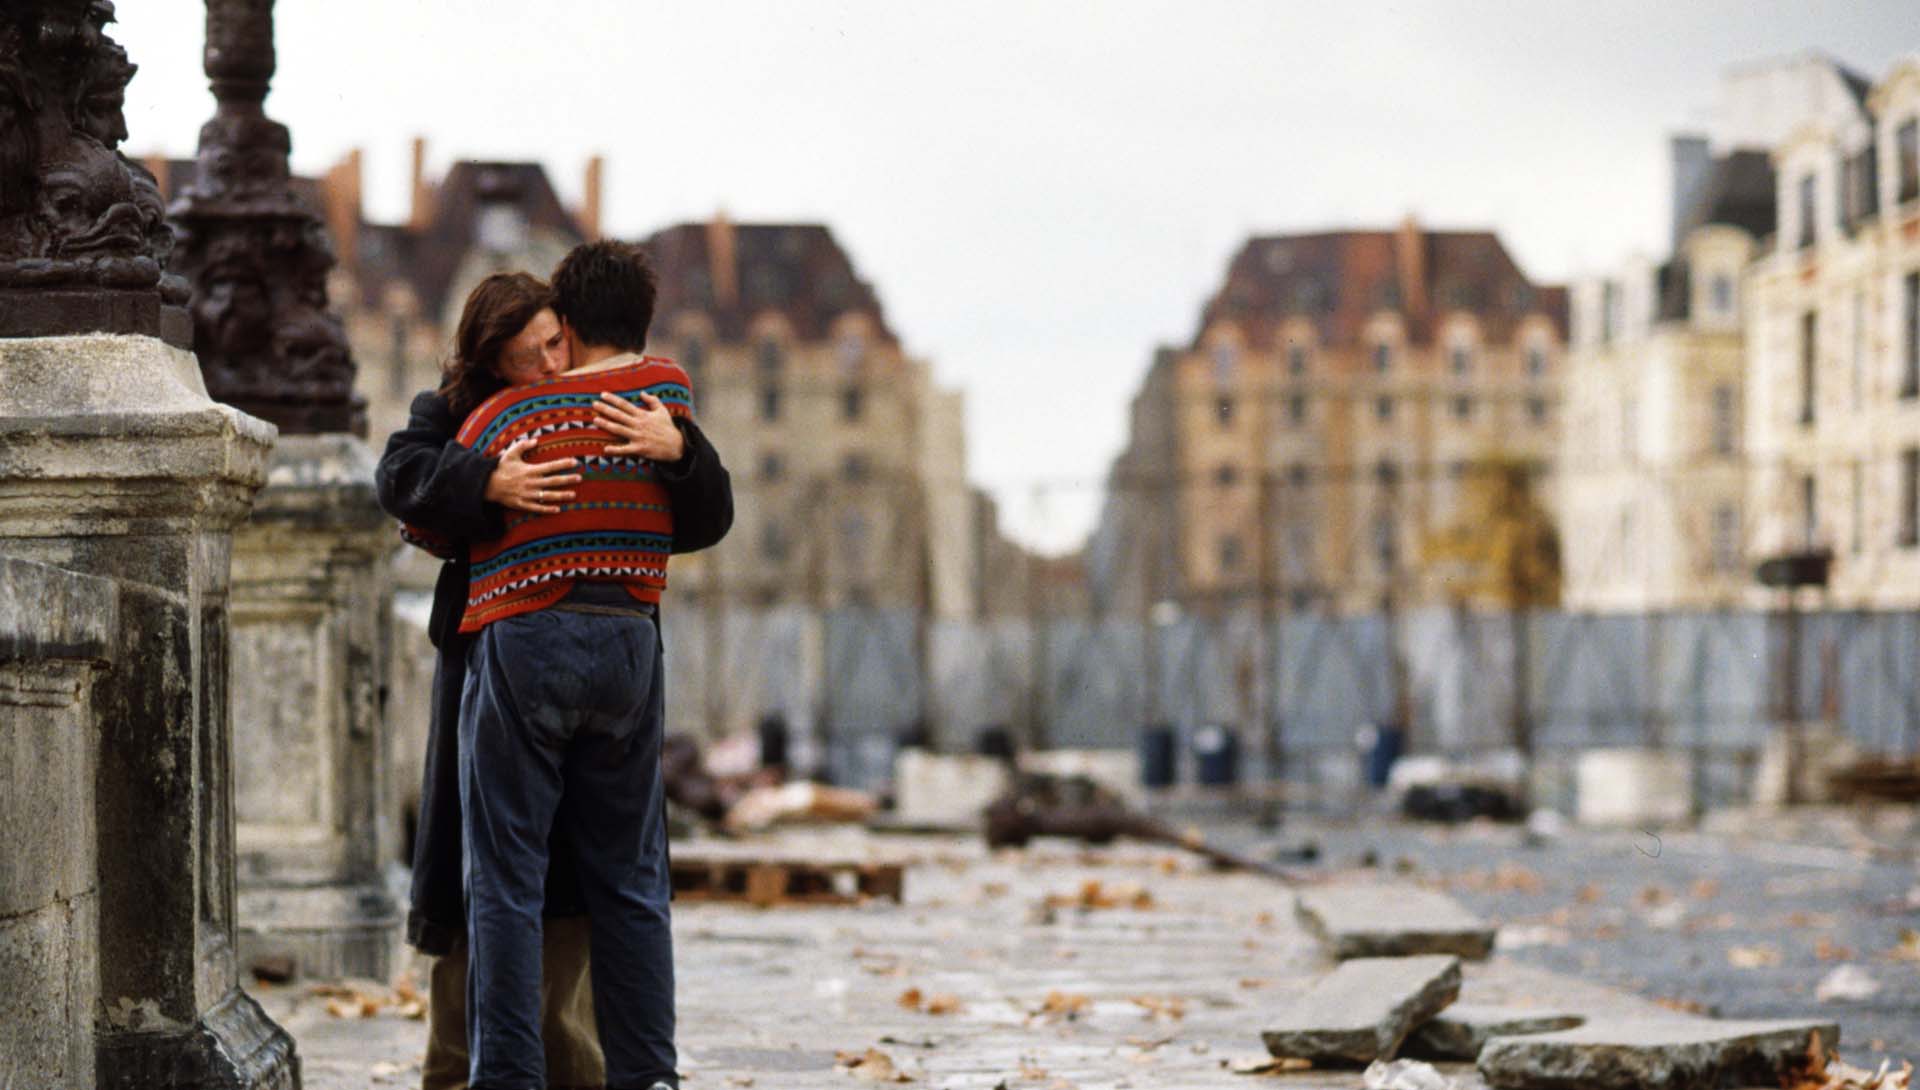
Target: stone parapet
x,y
314,806
57,630
114,462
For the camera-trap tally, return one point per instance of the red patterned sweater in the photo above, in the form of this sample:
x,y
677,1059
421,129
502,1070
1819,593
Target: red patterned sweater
x,y
619,525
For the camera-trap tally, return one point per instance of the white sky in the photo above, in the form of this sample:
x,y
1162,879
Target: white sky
x,y
1040,191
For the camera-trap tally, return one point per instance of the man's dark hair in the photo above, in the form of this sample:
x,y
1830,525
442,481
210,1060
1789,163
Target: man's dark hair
x,y
604,290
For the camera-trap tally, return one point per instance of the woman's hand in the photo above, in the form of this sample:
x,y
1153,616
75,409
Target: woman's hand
x,y
539,487
647,428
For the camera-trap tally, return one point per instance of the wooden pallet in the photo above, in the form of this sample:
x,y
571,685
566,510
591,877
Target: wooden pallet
x,y
768,882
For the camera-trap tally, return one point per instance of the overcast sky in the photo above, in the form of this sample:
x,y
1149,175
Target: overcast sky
x,y
1040,191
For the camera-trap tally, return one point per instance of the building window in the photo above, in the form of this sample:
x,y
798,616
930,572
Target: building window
x,y
1223,409
1726,538
1298,475
854,468
1296,359
1386,544
770,357
853,350
1609,311
1382,357
852,402
770,403
1387,473
1297,409
1910,497
1910,336
1226,476
1463,408
772,466
1720,294
1462,359
1229,552
1224,358
1808,206
1809,511
1906,142
1537,410
1809,364
1383,408
1536,362
773,543
1725,430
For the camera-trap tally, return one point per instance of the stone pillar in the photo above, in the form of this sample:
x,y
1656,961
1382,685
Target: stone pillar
x,y
311,571
57,629
114,462
311,629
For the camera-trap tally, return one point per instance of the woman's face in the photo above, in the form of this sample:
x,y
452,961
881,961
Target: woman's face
x,y
538,351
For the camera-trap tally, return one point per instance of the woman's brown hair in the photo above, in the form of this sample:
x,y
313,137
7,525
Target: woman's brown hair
x,y
497,308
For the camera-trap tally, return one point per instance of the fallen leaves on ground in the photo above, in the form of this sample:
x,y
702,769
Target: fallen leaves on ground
x,y
1758,956
1684,1006
1268,1065
366,998
1825,1070
1068,1005
872,1065
1588,894
1094,893
1170,1007
1652,896
1505,878
1909,947
1825,949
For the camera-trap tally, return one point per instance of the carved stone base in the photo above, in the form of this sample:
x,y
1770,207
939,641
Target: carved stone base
x,y
312,619
51,313
234,1046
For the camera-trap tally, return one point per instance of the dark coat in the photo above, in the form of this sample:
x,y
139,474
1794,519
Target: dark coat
x,y
427,479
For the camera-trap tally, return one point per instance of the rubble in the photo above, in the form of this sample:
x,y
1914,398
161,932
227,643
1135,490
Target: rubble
x,y
1650,1054
1460,1031
1370,921
1364,1009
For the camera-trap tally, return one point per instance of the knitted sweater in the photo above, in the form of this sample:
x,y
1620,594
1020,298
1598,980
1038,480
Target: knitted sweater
x,y
619,525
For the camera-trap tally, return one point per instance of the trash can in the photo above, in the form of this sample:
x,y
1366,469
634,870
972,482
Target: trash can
x,y
995,740
1158,754
1216,752
773,741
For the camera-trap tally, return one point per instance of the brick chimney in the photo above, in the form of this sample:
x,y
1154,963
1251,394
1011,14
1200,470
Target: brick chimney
x,y
722,265
1410,251
422,209
158,166
590,201
340,189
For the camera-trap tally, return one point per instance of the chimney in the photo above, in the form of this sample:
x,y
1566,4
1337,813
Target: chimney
x,y
158,166
341,191
590,206
1410,250
422,210
721,263
1692,167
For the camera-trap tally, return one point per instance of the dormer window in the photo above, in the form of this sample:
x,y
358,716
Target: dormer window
x,y
1296,359
1906,143
1536,361
1461,357
1720,294
1224,358
1382,357
769,356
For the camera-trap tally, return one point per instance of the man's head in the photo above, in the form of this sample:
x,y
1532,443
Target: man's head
x,y
603,292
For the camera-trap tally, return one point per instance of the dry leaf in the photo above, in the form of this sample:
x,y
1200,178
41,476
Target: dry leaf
x,y
1685,1006
1827,950
1270,1065
911,999
1172,1008
1703,889
872,1065
1063,1005
1651,896
942,1003
1909,948
1753,957
1588,894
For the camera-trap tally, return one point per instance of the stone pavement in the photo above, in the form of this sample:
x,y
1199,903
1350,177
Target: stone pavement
x,y
1048,968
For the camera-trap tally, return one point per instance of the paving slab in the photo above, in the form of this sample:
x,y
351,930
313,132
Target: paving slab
x,y
1463,1029
1364,1009
1652,1054
1376,920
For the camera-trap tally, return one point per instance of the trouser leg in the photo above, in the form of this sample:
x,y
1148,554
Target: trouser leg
x,y
445,1066
509,789
574,1060
615,821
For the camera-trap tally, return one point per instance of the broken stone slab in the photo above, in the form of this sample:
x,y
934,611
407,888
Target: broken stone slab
x,y
1372,920
1463,1029
1652,1054
1364,1009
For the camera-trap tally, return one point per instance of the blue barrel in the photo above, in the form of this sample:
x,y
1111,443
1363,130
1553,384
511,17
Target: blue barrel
x,y
1216,753
1384,743
1157,755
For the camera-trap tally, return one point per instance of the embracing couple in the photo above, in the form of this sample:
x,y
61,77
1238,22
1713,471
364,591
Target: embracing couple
x,y
555,470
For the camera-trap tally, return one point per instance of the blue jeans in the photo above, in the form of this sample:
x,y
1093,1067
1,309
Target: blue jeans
x,y
560,725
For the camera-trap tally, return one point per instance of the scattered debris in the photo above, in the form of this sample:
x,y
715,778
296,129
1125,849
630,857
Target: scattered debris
x,y
1169,1007
1909,947
278,969
1882,779
1846,984
1453,803
1758,956
1826,1071
798,803
1042,804
1631,1054
1094,893
872,1065
1364,1009
1463,1029
1371,921
1268,1065
1684,1006
1405,1075
767,882
1058,1005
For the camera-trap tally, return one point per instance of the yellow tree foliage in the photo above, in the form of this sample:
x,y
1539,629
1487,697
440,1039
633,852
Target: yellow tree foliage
x,y
1504,552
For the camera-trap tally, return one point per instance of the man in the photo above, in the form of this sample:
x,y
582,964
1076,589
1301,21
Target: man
x,y
465,495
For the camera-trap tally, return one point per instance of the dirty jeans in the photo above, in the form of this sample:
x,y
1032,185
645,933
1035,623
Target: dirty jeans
x,y
560,722
566,1013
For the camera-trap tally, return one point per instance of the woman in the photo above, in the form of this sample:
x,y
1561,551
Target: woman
x,y
507,335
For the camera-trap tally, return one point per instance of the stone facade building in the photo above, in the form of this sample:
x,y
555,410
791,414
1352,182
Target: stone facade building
x,y
1326,423
1833,331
